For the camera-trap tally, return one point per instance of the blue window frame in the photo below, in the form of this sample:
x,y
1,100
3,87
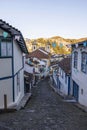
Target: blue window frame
x,y
75,59
5,48
84,62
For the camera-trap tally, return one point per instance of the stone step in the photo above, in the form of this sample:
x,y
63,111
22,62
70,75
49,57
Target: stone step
x,y
23,101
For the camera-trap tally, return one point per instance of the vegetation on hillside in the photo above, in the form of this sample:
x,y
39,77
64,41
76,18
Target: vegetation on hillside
x,y
57,40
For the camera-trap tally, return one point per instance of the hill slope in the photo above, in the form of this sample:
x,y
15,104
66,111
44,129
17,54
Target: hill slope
x,y
58,44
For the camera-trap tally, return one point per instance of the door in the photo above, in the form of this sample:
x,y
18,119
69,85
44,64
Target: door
x,y
75,91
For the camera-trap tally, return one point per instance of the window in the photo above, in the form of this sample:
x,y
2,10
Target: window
x,y
6,49
84,62
3,49
75,59
9,49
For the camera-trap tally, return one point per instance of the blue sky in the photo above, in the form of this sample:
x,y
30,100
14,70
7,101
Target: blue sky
x,y
46,18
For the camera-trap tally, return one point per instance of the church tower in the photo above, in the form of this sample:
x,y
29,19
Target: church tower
x,y
48,46
34,46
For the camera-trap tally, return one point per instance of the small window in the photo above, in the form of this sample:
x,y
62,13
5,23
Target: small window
x,y
3,49
75,59
9,49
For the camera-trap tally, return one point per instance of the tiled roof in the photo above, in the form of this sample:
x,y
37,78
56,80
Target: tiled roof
x,y
65,65
39,54
14,32
42,49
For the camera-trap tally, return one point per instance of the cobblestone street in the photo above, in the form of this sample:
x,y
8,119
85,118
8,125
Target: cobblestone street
x,y
45,111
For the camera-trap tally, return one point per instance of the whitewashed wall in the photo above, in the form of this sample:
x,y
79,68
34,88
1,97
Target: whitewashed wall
x,y
18,64
5,67
80,78
64,86
28,68
19,94
6,84
17,57
6,88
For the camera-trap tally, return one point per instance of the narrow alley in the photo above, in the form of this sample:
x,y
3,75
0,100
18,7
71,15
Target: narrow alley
x,y
46,110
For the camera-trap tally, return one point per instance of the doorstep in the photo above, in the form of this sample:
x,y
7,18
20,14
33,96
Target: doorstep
x,y
23,101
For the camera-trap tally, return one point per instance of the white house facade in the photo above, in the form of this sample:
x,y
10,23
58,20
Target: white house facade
x,y
79,72
64,76
12,46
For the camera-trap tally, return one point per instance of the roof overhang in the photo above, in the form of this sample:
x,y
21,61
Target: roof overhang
x,y
14,33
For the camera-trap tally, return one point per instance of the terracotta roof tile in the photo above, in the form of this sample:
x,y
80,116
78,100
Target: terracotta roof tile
x,y
39,54
65,65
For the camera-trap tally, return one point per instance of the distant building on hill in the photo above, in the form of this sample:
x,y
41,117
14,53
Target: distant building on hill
x,y
35,46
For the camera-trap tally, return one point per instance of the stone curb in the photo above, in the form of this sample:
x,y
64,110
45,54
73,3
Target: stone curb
x,y
83,108
60,94
24,101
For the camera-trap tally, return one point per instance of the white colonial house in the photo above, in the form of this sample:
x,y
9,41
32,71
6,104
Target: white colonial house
x,y
12,47
64,76
43,59
79,72
61,78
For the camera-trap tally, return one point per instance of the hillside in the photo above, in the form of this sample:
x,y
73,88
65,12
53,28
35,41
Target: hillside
x,y
58,44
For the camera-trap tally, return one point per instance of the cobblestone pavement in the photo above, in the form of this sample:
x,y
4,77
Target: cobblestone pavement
x,y
45,111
